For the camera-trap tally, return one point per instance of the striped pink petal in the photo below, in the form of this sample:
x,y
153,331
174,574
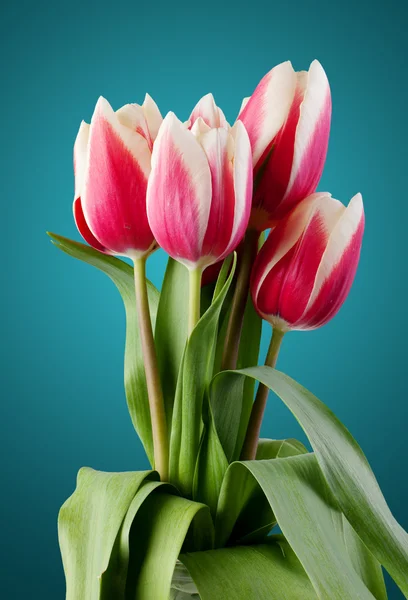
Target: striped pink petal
x,y
230,164
265,112
271,267
337,268
305,269
179,192
311,139
117,169
211,114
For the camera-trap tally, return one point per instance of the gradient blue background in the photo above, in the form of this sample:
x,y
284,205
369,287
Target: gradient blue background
x,y
63,404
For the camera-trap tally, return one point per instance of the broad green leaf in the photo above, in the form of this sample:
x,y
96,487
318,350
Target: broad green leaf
x,y
268,449
263,572
113,584
308,517
171,328
256,518
158,533
88,524
364,562
345,469
135,381
195,376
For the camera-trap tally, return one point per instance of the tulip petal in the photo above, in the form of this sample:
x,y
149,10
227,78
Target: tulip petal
x,y
266,110
280,241
211,114
153,116
83,228
80,152
118,166
301,270
338,267
179,192
243,184
312,137
132,116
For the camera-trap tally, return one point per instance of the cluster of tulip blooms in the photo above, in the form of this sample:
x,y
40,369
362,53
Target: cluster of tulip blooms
x,y
201,189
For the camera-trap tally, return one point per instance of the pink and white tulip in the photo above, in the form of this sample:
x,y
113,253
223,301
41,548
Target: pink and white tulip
x,y
200,190
112,162
307,265
288,122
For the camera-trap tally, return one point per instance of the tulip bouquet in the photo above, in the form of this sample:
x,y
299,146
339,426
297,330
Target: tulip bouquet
x,y
223,514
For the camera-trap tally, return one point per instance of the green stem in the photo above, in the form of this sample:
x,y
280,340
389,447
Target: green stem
x,y
194,298
258,408
234,329
156,402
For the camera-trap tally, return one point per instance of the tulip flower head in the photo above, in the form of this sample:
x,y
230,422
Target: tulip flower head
x,y
306,267
112,162
288,122
200,190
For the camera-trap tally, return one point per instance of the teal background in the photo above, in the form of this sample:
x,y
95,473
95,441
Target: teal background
x,y
63,404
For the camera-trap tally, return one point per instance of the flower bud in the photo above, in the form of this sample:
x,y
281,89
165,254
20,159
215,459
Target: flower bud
x,y
112,161
288,122
307,265
200,190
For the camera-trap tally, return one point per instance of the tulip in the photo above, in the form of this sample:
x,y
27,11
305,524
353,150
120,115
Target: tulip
x,y
302,276
112,161
306,267
288,122
199,192
199,195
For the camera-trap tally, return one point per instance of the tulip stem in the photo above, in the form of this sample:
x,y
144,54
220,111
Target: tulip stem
x,y
234,329
194,298
156,402
258,408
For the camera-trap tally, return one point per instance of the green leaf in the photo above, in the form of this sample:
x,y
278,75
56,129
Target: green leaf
x,y
308,517
256,518
364,562
268,449
171,328
113,583
195,376
135,381
345,469
158,534
88,524
263,572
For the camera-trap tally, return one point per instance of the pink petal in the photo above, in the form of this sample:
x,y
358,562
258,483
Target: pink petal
x,y
83,228
338,267
211,114
243,184
311,141
272,261
302,268
114,198
267,109
217,146
179,192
